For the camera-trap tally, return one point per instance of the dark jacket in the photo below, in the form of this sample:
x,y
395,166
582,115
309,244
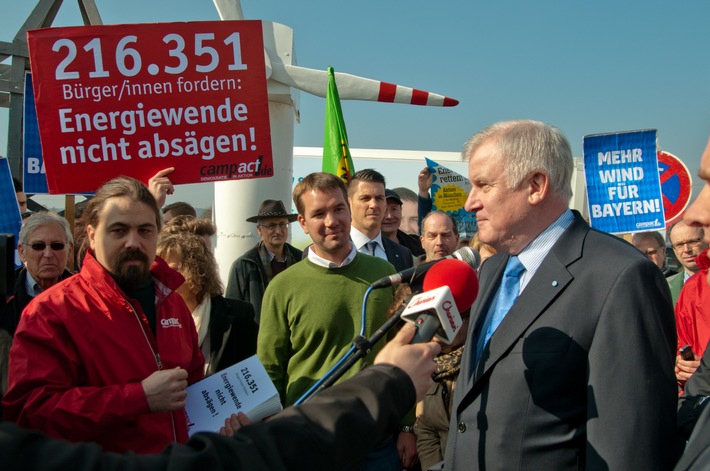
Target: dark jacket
x,y
20,299
410,241
333,430
247,280
398,255
232,332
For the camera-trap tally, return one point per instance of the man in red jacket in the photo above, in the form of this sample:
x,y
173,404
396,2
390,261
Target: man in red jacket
x,y
106,355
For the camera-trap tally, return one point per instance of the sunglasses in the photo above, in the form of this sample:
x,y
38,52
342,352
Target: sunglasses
x,y
41,246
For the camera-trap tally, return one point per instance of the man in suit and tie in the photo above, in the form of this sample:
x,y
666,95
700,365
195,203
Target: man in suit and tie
x,y
366,195
576,372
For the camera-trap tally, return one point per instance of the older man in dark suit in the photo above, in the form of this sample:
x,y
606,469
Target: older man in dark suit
x,y
570,364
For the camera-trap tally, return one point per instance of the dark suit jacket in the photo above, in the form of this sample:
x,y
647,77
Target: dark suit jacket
x,y
697,454
579,374
398,255
695,397
333,430
233,332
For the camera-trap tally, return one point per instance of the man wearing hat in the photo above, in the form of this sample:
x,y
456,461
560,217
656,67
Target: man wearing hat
x,y
391,222
252,272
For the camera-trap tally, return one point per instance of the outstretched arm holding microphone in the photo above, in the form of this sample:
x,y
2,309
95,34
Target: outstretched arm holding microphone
x,y
336,428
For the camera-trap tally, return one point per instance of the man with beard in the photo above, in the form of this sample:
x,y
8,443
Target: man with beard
x,y
105,355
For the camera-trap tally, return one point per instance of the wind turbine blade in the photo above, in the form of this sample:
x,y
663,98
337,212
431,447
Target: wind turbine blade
x,y
232,10
229,9
352,87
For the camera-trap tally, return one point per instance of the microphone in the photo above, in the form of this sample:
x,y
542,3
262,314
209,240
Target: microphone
x,y
414,274
449,288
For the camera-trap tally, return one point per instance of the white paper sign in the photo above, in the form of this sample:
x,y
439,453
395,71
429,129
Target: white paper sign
x,y
243,387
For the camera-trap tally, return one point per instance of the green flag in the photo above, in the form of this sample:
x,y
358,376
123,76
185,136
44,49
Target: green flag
x,y
336,152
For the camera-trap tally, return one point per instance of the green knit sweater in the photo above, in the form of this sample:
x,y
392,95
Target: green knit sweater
x,y
310,315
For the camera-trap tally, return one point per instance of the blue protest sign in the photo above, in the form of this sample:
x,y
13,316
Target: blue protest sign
x,y
34,178
10,219
623,186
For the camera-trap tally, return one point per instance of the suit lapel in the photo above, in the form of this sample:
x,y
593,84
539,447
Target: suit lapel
x,y
550,280
391,252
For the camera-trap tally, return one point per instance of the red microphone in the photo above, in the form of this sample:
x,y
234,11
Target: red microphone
x,y
450,286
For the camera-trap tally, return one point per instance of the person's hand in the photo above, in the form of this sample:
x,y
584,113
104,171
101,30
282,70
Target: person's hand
x,y
684,369
407,449
160,186
233,423
424,181
165,390
416,360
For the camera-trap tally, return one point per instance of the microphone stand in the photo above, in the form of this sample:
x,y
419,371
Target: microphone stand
x,y
363,346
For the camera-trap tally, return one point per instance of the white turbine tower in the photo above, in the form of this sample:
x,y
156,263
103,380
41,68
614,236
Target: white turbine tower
x,y
237,200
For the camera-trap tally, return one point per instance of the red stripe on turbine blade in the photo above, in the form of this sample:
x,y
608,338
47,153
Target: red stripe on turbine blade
x,y
387,92
419,97
450,101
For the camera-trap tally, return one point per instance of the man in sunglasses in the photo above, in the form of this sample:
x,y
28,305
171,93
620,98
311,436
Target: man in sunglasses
x,y
45,246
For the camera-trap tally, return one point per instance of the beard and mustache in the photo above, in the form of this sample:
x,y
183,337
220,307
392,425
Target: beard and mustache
x,y
131,276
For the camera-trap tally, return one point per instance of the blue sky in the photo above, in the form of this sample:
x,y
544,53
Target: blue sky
x,y
586,67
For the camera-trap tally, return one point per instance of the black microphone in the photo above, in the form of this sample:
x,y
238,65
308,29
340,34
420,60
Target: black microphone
x,y
415,274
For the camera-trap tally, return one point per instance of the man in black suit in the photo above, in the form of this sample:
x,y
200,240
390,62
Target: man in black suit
x,y
578,373
366,195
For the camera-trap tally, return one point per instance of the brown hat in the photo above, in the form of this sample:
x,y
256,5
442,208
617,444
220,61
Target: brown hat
x,y
272,209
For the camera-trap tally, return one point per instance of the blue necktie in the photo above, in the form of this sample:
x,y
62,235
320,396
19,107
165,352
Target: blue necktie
x,y
371,246
507,294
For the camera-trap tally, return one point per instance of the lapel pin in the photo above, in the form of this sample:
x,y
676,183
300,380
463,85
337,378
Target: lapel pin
x,y
554,283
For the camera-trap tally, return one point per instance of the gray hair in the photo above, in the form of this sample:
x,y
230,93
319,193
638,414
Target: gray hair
x,y
655,235
527,146
42,218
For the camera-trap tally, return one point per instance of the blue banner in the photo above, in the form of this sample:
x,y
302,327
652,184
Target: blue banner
x,y
10,219
623,185
34,177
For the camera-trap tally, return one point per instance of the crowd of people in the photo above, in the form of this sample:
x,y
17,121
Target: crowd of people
x,y
582,350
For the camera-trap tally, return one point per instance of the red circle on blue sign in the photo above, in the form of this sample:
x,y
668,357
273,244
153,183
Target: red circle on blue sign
x,y
676,185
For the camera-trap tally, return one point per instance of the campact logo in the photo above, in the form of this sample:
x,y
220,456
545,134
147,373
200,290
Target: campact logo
x,y
172,322
236,170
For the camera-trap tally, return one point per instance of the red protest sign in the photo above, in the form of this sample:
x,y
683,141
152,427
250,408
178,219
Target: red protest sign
x,y
134,99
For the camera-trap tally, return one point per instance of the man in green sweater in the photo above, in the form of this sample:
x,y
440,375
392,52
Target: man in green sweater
x,y
312,312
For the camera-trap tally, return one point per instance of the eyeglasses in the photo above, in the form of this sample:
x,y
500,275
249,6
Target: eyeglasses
x,y
692,243
41,246
271,227
651,252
